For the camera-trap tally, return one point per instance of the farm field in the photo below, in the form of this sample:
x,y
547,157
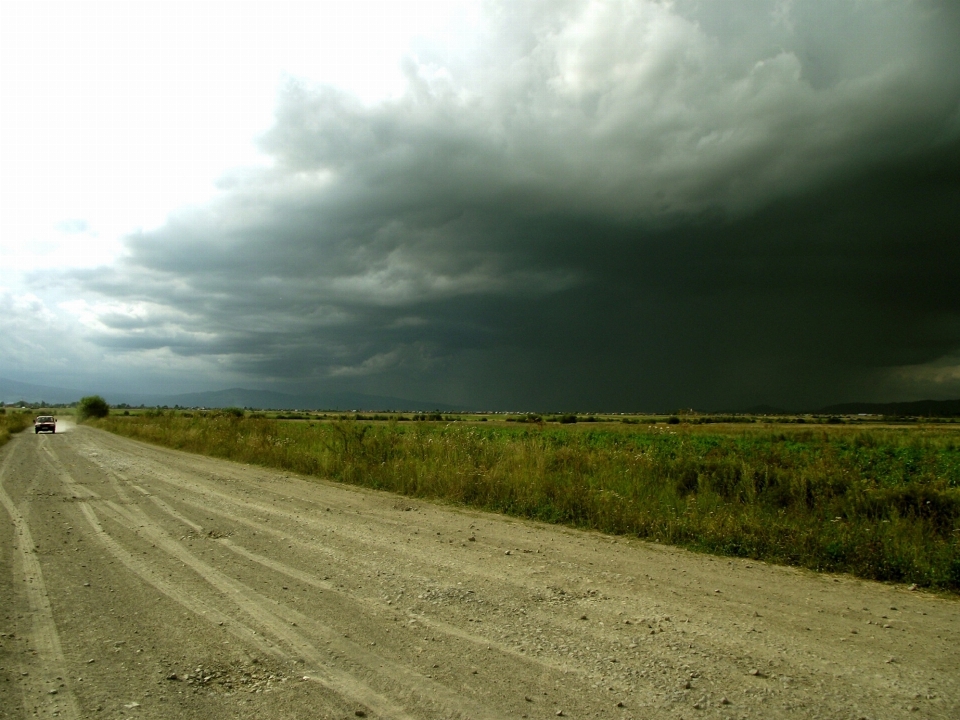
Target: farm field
x,y
879,502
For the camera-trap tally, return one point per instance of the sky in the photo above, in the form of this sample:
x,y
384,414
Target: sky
x,y
569,205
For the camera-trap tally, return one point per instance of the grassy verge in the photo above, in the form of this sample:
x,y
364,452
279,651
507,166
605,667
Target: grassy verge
x,y
881,503
12,422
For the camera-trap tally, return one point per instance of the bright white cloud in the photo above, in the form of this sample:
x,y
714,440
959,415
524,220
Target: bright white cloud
x,y
117,113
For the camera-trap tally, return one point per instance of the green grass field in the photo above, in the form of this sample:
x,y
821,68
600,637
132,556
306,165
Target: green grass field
x,y
878,502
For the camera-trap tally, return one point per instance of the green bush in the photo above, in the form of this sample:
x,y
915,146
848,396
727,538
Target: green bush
x,y
92,406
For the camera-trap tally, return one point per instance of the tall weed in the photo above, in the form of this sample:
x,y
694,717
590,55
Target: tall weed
x,y
13,422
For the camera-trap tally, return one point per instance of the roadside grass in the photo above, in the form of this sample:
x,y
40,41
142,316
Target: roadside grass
x,y
13,422
881,503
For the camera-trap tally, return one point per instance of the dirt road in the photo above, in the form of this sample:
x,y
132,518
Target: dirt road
x,y
146,583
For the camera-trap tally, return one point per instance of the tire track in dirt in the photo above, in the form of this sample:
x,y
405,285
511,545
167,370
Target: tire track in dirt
x,y
39,695
189,483
480,642
277,620
140,524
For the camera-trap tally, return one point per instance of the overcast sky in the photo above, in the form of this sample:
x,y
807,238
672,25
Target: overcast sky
x,y
547,205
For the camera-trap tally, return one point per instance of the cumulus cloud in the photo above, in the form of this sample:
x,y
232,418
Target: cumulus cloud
x,y
596,204
25,322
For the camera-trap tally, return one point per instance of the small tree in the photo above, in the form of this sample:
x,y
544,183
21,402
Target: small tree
x,y
92,406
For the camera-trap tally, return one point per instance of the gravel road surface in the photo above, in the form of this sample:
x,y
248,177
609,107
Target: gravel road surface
x,y
140,582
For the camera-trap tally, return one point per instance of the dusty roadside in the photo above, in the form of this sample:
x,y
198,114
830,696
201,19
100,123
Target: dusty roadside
x,y
142,582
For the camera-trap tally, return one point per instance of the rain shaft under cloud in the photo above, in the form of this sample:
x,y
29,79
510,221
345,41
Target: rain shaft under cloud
x,y
594,205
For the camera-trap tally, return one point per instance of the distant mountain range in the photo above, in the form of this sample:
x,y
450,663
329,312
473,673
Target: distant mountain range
x,y
920,408
916,408
14,390
241,397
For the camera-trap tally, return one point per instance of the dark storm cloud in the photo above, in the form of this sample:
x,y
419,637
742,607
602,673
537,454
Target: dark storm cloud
x,y
605,205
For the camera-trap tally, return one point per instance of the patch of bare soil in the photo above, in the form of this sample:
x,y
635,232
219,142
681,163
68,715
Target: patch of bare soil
x,y
142,582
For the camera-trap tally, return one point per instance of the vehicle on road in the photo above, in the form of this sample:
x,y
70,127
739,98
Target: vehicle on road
x,y
45,423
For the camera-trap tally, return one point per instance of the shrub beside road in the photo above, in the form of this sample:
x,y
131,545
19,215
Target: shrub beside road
x,y
12,421
92,406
